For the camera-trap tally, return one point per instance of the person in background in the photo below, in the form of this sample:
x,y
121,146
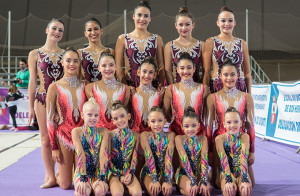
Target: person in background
x,y
22,77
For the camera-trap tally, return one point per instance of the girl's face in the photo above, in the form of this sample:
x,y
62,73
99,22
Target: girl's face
x,y
229,76
141,18
184,26
55,31
190,126
156,121
107,67
146,73
93,32
90,116
232,122
226,22
120,118
71,64
185,69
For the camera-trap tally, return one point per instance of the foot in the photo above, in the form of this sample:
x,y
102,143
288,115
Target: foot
x,y
48,183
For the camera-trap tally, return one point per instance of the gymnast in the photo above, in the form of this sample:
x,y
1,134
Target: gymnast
x,y
223,46
233,150
45,63
184,43
65,99
91,147
158,147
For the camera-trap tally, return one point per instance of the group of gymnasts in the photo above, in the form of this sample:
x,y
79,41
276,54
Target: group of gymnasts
x,y
108,123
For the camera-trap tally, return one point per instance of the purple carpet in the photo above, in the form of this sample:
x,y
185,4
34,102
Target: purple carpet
x,y
277,172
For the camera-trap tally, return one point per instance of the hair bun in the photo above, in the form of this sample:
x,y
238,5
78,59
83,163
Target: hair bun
x,y
232,109
183,9
225,9
189,109
70,48
106,52
117,102
185,55
144,3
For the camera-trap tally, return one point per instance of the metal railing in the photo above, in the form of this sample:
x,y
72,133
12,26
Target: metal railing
x,y
7,72
257,73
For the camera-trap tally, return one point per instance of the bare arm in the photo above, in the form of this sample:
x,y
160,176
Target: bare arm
x,y
169,157
204,161
119,56
246,67
167,108
210,117
244,156
51,112
160,61
81,163
168,63
104,156
89,91
32,64
207,62
250,121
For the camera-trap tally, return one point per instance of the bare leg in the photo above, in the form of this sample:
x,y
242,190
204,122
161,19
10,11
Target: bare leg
x,y
116,187
147,180
216,169
98,189
134,187
184,184
40,111
65,168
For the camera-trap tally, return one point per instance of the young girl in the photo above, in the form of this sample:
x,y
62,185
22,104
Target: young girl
x,y
12,102
107,90
90,55
192,177
124,146
65,100
134,47
91,146
158,147
233,150
184,43
146,95
217,105
45,63
185,93
223,46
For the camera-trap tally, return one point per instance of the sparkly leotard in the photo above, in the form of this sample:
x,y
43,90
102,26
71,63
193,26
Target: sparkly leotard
x,y
194,163
91,141
123,152
217,105
63,102
180,95
195,53
141,105
158,158
49,70
233,157
136,50
221,51
90,63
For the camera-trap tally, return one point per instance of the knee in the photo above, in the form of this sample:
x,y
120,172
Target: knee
x,y
117,193
45,141
65,185
137,193
99,192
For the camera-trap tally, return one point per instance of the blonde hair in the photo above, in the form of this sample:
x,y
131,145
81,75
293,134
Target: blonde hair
x,y
90,103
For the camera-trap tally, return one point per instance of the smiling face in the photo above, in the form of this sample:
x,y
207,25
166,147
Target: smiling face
x,y
229,76
185,69
120,118
190,126
55,31
141,18
71,63
90,115
146,73
93,32
184,26
107,67
226,22
156,121
232,122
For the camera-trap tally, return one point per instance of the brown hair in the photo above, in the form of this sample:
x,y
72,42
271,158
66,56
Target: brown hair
x,y
117,105
156,109
12,89
184,11
189,112
106,53
228,62
232,109
150,60
185,56
95,20
70,49
55,20
225,9
143,4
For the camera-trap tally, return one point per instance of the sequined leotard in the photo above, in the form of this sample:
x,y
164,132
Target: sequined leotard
x,y
180,95
217,105
49,70
221,51
89,168
195,53
194,159
67,101
233,156
106,92
142,102
136,50
158,156
123,157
